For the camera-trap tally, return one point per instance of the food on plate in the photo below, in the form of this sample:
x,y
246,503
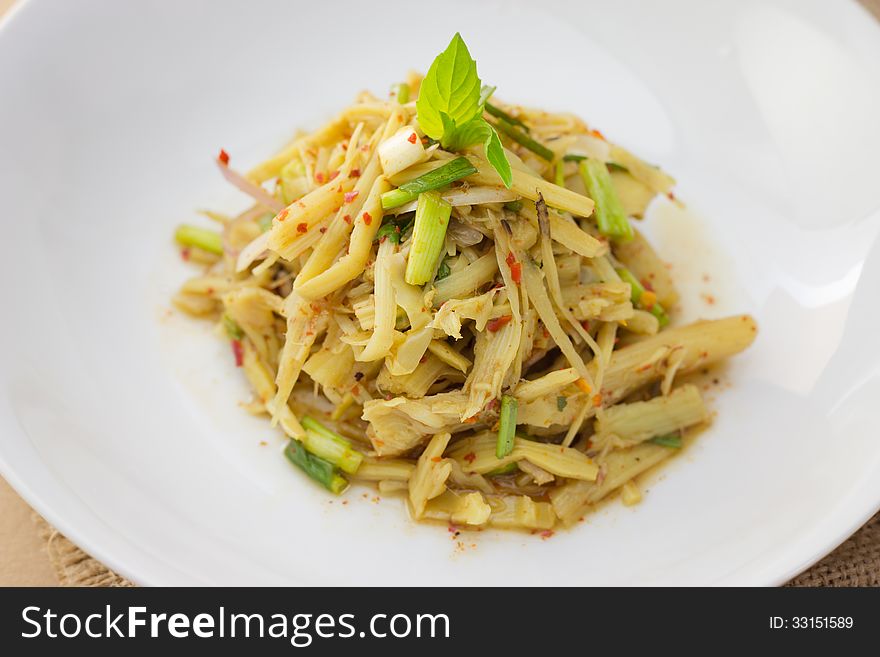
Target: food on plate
x,y
446,295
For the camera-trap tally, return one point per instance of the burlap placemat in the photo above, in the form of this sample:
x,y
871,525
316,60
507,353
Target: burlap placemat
x,y
855,563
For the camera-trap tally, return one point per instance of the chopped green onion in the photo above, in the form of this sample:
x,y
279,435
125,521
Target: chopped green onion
x,y
429,236
560,174
610,216
264,221
571,157
207,240
443,175
395,228
400,91
510,468
514,206
443,271
524,140
561,403
672,440
499,113
506,427
233,330
388,230
330,446
637,290
316,468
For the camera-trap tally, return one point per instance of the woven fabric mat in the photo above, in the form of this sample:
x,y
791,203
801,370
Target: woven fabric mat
x,y
855,563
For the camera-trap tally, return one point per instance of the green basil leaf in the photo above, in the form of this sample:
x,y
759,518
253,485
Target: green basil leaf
x,y
472,132
449,130
480,131
496,156
451,86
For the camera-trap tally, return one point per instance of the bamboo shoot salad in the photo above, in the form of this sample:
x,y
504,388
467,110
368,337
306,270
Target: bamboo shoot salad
x,y
446,295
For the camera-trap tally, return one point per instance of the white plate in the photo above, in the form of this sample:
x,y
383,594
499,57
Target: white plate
x,y
120,423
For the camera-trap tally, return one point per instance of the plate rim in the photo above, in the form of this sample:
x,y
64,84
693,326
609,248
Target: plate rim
x,y
89,537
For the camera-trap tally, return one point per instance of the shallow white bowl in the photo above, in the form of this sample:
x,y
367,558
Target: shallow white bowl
x,y
120,423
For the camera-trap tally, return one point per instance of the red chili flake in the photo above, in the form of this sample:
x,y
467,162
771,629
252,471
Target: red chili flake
x,y
436,459
516,272
586,324
345,147
597,399
495,324
670,196
184,253
302,228
334,174
367,218
350,196
598,134
355,389
238,352
223,157
547,533
515,268
319,177
281,216
470,457
647,284
347,218
355,173
470,420
423,358
412,138
323,229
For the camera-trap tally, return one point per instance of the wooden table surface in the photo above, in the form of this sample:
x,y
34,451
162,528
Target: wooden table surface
x,y
23,558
